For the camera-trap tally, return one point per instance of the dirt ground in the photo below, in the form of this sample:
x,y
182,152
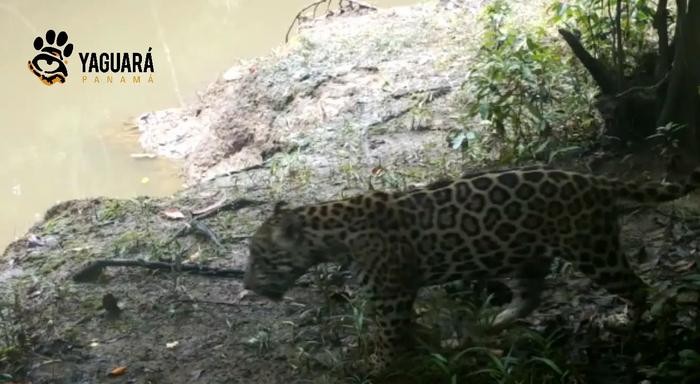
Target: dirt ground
x,y
371,73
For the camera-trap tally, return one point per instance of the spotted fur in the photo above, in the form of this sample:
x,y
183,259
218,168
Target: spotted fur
x,y
509,223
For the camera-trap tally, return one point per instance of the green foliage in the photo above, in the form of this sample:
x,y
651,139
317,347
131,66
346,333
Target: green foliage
x,y
113,210
596,21
666,138
524,90
52,225
518,355
359,326
288,168
130,242
675,357
456,346
13,337
382,178
261,341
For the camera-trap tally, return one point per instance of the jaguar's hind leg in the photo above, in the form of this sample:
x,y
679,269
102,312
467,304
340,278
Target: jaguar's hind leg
x,y
601,259
611,271
526,286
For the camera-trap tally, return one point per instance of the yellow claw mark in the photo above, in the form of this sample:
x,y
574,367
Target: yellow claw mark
x,y
44,79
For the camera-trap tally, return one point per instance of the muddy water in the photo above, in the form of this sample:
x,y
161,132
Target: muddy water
x,y
74,140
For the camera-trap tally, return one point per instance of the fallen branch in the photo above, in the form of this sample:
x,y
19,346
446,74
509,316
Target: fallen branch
x,y
92,270
194,226
643,89
224,205
437,91
242,170
342,6
210,302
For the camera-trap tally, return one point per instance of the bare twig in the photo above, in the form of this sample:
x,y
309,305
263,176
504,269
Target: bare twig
x,y
298,17
212,302
242,170
437,91
209,208
342,5
224,205
92,270
203,229
195,227
648,88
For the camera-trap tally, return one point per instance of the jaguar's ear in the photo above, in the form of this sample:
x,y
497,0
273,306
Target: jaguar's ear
x,y
279,206
288,230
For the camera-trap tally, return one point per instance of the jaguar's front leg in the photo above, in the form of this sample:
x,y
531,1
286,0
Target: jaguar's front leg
x,y
394,317
387,273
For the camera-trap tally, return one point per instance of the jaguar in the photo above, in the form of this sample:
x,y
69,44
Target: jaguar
x,y
490,225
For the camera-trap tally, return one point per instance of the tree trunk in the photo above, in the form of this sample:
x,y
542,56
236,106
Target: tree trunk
x,y
682,102
633,108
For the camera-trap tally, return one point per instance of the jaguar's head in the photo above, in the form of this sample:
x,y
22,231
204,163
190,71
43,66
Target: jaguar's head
x,y
279,254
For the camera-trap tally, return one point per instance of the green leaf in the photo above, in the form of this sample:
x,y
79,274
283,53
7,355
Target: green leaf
x,y
559,151
689,358
441,362
548,363
484,111
459,140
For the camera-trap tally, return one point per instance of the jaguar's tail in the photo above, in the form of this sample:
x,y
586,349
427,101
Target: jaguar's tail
x,y
655,192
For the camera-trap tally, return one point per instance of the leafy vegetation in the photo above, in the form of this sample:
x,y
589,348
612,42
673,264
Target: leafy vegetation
x,y
532,101
455,346
13,337
642,56
596,23
523,90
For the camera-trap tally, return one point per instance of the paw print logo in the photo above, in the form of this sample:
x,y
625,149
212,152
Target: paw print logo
x,y
49,64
